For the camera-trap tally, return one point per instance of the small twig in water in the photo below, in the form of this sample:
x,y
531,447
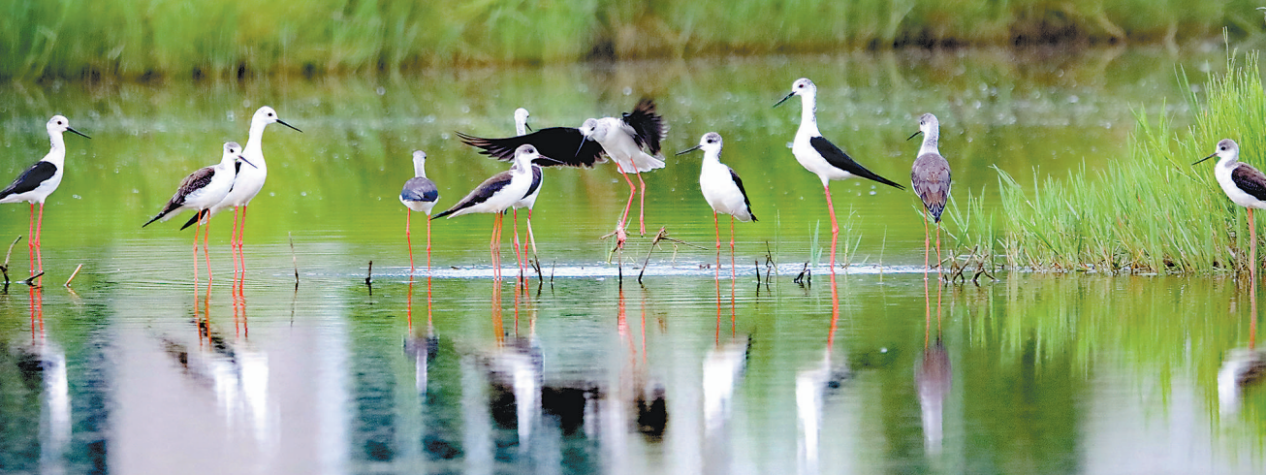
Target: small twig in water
x,y
805,276
756,264
661,235
72,275
369,276
5,267
30,281
294,260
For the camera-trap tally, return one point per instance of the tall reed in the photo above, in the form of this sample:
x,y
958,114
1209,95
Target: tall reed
x,y
1151,212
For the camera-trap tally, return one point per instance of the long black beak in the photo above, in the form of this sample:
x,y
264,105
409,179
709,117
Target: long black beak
x,y
583,138
691,149
528,127
916,134
784,99
76,132
282,122
548,159
248,162
1205,158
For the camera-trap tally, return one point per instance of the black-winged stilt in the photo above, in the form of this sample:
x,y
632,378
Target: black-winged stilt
x,y
930,177
419,194
521,127
497,194
201,190
818,155
632,141
40,180
723,191
1244,185
247,183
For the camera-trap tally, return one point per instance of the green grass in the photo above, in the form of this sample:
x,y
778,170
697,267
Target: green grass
x,y
1150,212
227,38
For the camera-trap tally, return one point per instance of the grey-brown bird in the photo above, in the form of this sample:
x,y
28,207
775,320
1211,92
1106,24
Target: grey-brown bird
x,y
930,176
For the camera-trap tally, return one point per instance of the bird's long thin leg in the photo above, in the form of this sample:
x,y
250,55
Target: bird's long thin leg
x,y
514,223
39,234
531,235
195,257
733,271
927,243
641,206
408,217
835,226
1252,253
620,235
241,241
939,271
428,245
716,224
30,239
492,248
237,269
206,249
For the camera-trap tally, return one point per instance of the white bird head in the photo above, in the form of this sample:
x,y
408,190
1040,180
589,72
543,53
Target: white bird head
x,y
266,115
419,163
928,125
589,129
520,120
59,124
802,87
233,153
1227,150
710,143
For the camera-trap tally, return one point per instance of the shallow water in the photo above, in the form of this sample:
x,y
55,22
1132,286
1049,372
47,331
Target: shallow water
x,y
140,370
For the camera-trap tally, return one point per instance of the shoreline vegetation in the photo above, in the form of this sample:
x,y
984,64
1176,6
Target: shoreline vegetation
x,y
1150,212
167,39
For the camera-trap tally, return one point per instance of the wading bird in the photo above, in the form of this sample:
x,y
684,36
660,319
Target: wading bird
x,y
930,177
820,156
247,183
40,180
419,194
201,190
723,190
1244,185
497,194
521,127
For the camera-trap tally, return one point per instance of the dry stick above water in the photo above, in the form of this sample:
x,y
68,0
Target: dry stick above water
x,y
5,268
72,275
293,259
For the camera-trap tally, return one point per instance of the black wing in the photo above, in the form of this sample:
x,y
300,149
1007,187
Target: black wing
x,y
739,182
420,189
536,180
838,159
194,182
1250,180
30,179
649,127
564,144
930,176
480,194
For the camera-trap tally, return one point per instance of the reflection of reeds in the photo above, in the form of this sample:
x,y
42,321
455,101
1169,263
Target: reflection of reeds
x,y
222,38
1153,212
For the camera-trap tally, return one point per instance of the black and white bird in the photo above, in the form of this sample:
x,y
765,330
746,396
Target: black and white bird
x,y
818,155
521,127
722,189
419,194
249,181
200,191
1244,185
497,194
930,177
632,141
583,148
40,180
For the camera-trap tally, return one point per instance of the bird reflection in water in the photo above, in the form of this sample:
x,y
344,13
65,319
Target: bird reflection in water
x,y
45,361
932,376
812,385
421,348
230,368
1242,367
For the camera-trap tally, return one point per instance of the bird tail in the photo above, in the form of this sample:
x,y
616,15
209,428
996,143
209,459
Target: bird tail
x,y
196,217
443,213
156,217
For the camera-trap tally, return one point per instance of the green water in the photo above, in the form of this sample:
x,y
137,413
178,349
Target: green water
x,y
137,371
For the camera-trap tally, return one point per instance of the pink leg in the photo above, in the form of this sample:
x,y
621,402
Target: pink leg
x,y
39,234
926,249
641,207
241,241
514,223
428,246
835,226
733,272
196,230
206,250
30,239
716,224
408,216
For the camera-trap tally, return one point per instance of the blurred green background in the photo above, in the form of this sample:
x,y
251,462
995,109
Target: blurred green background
x,y
229,38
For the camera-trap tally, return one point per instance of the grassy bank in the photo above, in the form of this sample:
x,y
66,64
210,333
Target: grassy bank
x,y
228,38
1150,212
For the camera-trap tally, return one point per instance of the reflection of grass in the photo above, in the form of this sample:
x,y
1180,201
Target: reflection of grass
x,y
228,38
1151,213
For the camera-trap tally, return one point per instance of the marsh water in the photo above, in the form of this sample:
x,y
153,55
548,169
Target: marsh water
x,y
138,369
